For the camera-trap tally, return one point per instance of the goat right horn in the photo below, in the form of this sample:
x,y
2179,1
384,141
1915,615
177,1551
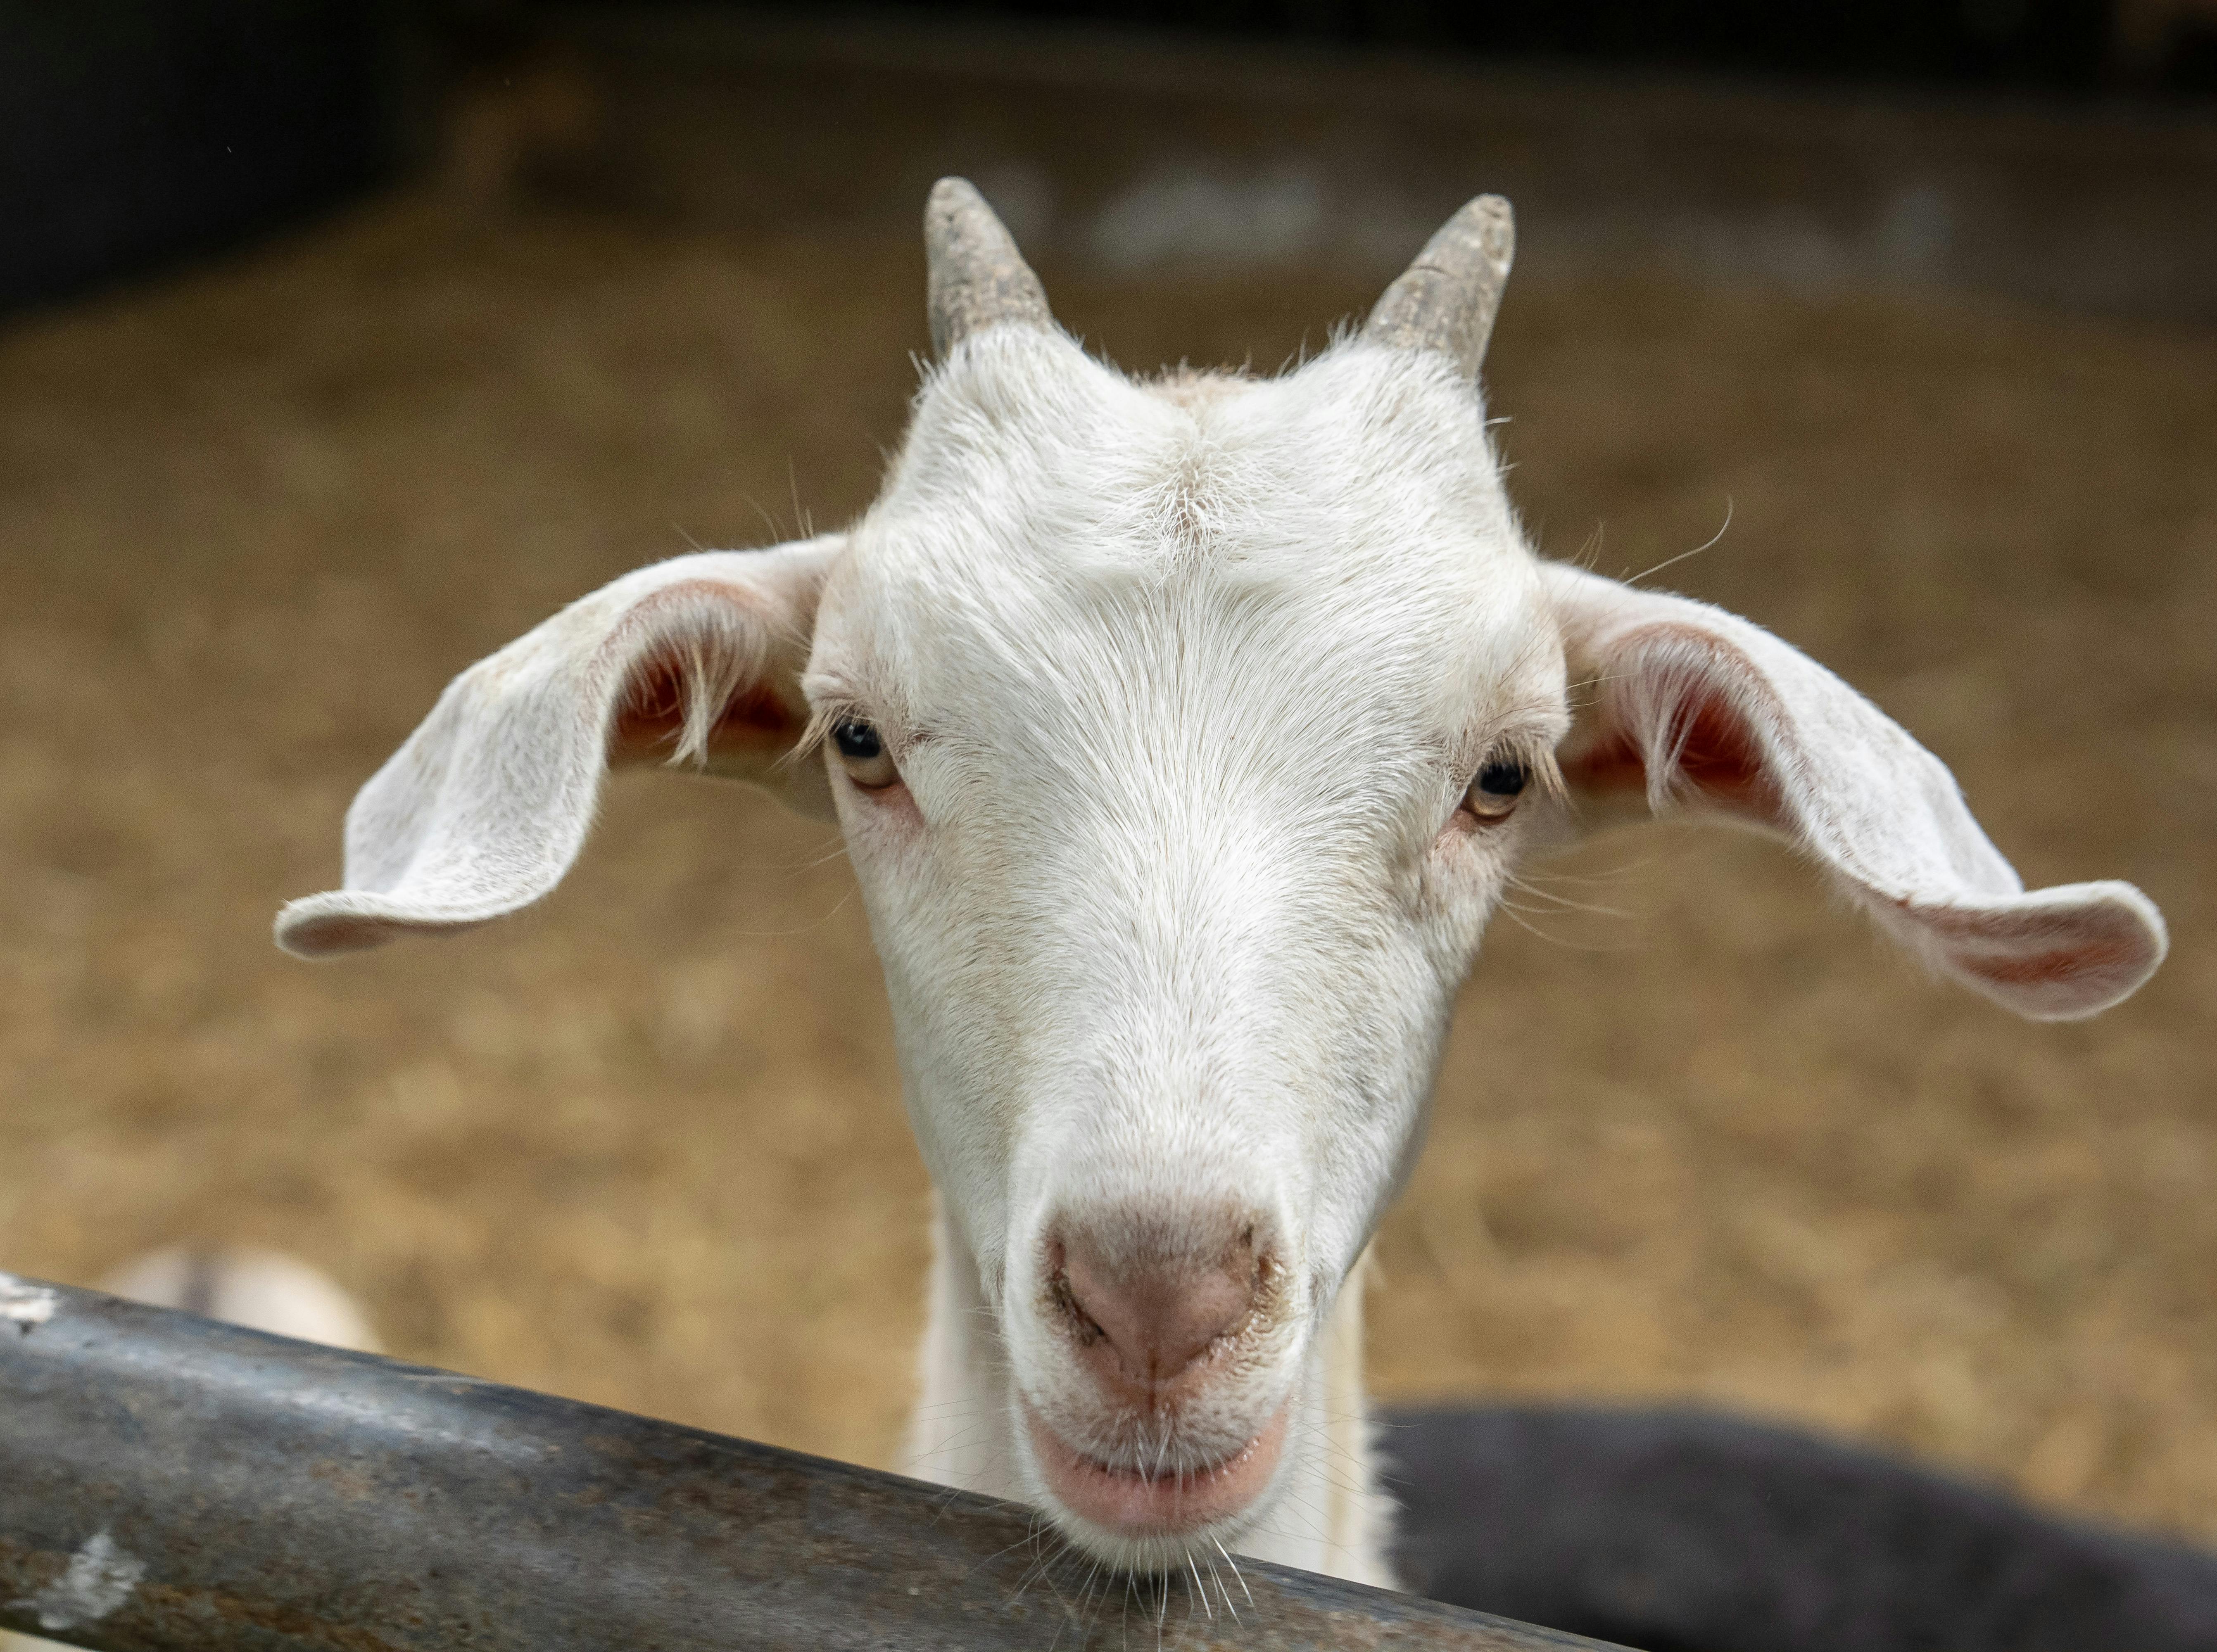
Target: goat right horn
x,y
1447,299
978,278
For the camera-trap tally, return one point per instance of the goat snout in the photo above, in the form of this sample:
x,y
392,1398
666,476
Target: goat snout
x,y
1149,1319
1179,1418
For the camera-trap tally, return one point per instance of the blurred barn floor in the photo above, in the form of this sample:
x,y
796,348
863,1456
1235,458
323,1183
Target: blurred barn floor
x,y
1698,1135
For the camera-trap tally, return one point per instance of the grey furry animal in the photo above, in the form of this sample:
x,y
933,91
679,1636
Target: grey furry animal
x,y
1684,1531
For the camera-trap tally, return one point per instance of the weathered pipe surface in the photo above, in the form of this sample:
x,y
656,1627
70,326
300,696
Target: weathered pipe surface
x,y
170,1484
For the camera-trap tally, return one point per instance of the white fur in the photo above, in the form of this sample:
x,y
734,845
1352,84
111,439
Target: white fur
x,y
261,1290
1186,681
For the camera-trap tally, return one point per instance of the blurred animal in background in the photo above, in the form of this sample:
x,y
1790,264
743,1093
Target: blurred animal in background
x,y
261,1290
1185,733
1681,1531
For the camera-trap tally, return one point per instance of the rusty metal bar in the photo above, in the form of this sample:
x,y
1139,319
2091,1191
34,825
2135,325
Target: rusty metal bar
x,y
171,1484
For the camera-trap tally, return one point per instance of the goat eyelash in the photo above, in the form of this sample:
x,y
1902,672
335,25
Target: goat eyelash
x,y
1536,754
826,716
821,719
1531,749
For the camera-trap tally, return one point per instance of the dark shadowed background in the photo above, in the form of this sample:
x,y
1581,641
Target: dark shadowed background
x,y
325,382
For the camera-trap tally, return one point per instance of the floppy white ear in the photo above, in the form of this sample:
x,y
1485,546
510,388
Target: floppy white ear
x,y
1693,708
485,807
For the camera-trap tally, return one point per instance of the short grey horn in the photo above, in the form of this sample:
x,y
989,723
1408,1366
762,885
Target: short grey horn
x,y
1447,299
978,277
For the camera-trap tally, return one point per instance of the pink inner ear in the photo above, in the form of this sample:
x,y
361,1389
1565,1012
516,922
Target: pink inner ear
x,y
704,636
2095,948
647,729
1698,707
2100,963
1672,694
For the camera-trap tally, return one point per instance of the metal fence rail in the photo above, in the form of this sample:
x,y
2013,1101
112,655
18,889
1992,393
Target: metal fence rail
x,y
170,1484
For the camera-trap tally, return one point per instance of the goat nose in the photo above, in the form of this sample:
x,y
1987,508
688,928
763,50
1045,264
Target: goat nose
x,y
1144,1316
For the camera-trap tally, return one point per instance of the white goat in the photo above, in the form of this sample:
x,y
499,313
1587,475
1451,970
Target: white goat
x,y
1184,734
261,1290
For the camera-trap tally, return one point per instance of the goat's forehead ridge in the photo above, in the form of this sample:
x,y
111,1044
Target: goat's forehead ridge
x,y
1352,509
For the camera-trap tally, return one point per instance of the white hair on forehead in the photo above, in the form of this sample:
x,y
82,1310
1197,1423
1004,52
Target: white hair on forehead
x,y
1022,434
1047,503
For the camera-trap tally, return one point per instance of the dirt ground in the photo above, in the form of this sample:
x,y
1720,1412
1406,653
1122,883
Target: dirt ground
x,y
644,1146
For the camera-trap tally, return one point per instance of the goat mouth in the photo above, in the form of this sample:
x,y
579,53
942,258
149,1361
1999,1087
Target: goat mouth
x,y
1132,1502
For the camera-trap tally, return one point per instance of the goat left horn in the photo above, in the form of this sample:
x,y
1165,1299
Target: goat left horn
x,y
978,277
1447,299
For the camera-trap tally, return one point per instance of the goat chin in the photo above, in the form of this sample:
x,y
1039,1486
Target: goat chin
x,y
1316,1505
1141,1515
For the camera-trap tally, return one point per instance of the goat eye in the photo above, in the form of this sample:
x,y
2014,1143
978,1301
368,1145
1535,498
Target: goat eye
x,y
1493,796
862,753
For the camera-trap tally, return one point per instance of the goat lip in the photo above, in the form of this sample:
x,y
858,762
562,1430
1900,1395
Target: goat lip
x,y
1132,1504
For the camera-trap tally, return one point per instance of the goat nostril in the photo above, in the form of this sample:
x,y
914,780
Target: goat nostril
x,y
1083,1324
1148,1319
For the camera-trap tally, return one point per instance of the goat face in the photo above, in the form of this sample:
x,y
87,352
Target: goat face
x,y
1184,735
1172,698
